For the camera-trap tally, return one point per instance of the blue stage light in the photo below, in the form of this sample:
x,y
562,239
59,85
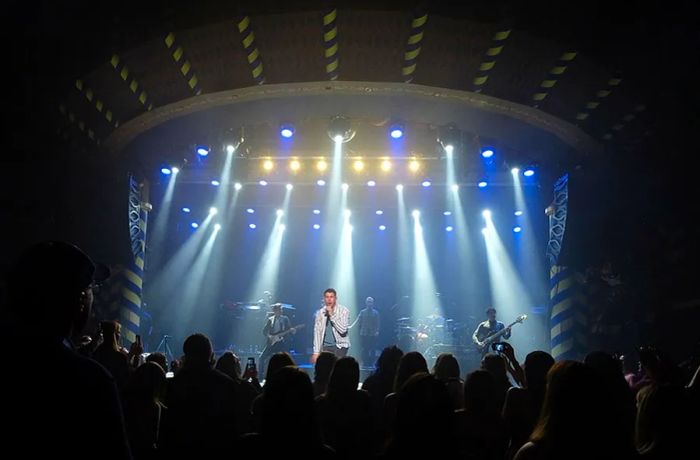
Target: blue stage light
x,y
202,150
287,131
194,225
487,153
186,209
482,184
517,229
166,171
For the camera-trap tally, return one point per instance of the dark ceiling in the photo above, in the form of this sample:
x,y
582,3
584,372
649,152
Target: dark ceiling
x,y
652,50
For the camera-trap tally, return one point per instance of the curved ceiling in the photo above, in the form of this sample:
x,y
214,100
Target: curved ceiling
x,y
596,67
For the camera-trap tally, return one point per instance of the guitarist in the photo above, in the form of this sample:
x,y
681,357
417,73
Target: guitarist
x,y
275,324
487,329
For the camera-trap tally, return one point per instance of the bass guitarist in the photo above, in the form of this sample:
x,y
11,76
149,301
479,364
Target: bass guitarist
x,y
487,329
275,331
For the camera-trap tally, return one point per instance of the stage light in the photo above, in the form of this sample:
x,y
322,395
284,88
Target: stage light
x,y
268,165
237,186
517,229
280,213
426,183
316,226
486,213
399,188
379,212
253,226
230,149
482,184
530,171
347,213
386,166
321,182
250,211
340,129
358,165
487,153
186,209
321,165
415,213
455,188
175,170
518,213
448,136
215,183
449,149
283,227
344,187
213,211
317,211
515,171
413,166
263,183
202,150
396,131
287,131
371,183
289,186
217,227
447,213
166,171
382,227
194,225
484,230
449,228
294,165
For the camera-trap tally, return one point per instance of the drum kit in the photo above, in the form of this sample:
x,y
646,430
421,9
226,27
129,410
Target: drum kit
x,y
431,331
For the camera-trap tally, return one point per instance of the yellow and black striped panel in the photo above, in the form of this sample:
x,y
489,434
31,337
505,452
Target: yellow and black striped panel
x,y
555,73
600,95
488,60
135,87
330,43
568,324
625,120
132,287
80,124
251,50
92,99
177,52
413,45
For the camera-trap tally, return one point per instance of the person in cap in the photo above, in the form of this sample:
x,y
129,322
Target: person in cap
x,y
64,403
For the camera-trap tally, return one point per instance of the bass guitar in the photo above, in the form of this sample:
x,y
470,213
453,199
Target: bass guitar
x,y
483,345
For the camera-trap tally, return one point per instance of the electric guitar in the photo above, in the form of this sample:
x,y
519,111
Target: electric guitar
x,y
274,338
486,342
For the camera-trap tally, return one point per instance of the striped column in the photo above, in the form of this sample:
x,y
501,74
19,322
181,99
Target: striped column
x,y
251,51
413,46
568,324
488,61
178,55
330,43
554,74
132,288
73,120
98,104
626,119
600,95
123,71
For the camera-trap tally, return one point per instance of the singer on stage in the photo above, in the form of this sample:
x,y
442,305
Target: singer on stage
x,y
331,327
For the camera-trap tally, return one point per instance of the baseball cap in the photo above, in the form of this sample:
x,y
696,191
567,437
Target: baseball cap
x,y
56,264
